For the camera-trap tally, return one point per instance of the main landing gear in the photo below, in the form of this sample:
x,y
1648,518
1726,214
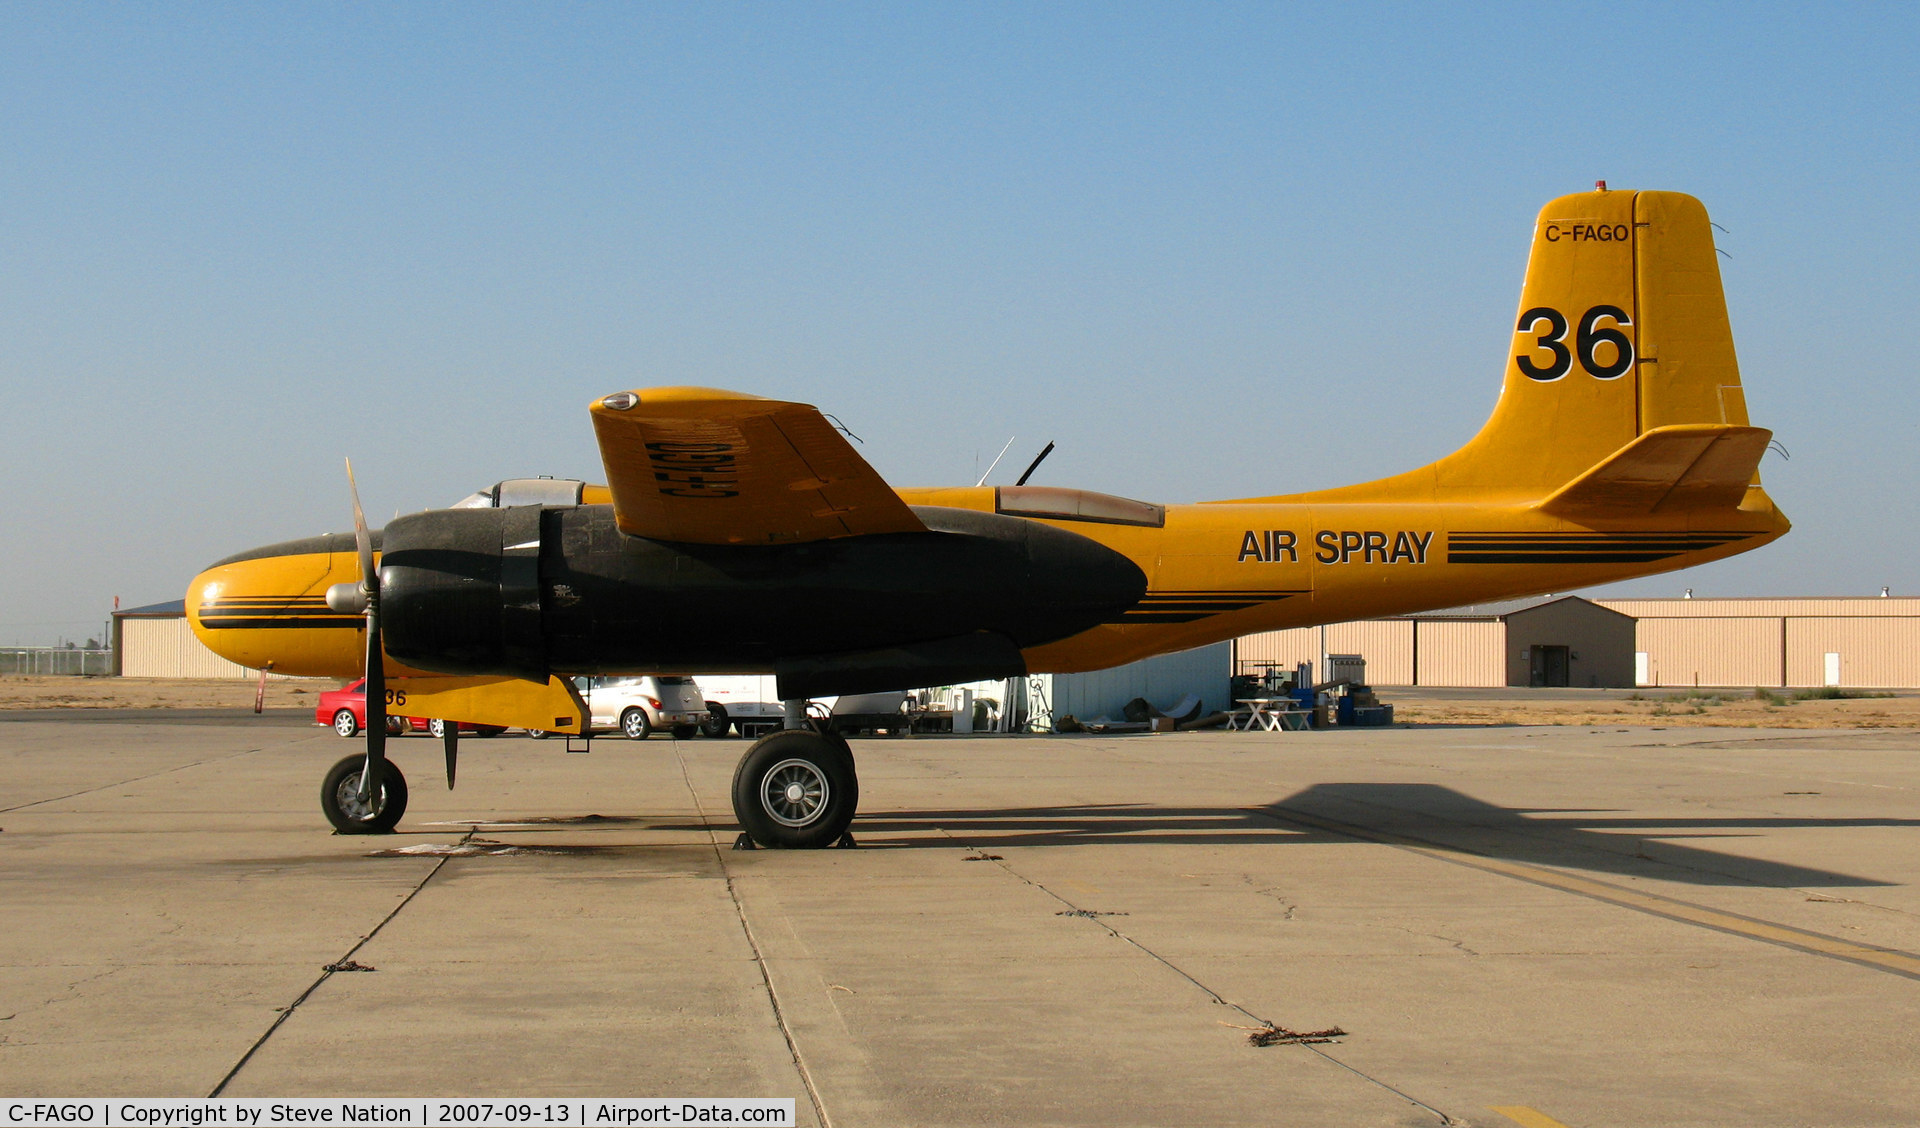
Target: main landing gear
x,y
796,790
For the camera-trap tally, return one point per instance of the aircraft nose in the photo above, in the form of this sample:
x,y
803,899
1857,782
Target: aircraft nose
x,y
267,608
204,598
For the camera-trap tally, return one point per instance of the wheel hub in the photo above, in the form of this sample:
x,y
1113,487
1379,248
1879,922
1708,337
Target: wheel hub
x,y
794,792
347,796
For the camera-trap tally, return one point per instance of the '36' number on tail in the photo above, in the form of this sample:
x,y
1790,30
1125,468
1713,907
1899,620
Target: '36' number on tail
x,y
1549,327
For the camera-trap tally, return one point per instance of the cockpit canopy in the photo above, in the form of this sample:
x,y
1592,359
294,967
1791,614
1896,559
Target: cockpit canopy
x,y
1060,504
525,491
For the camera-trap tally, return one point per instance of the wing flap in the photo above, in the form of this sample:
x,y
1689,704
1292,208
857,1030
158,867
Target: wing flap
x,y
1686,466
707,466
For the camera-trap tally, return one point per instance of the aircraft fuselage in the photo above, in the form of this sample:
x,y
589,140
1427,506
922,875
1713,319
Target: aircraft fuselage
x,y
528,591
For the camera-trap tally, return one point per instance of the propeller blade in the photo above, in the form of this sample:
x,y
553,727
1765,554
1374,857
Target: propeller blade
x,y
376,665
362,540
450,739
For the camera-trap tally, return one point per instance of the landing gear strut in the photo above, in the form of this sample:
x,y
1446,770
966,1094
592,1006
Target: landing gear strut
x,y
796,790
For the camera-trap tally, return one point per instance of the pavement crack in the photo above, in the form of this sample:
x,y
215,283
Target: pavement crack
x,y
1099,920
753,944
133,779
1288,908
344,964
67,995
1459,945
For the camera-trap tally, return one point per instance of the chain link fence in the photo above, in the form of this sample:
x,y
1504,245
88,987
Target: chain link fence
x,y
56,661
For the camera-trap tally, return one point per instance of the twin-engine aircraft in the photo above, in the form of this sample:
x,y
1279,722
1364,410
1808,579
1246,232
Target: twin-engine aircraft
x,y
738,535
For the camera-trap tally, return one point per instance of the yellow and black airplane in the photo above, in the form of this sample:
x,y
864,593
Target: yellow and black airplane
x,y
740,534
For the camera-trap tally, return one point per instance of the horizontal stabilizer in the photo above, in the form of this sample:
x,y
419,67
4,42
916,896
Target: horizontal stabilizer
x,y
1685,466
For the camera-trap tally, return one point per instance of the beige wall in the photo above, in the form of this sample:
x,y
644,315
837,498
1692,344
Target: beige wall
x,y
1386,644
1874,653
1455,652
166,648
1601,644
1449,653
1690,652
1854,607
1777,642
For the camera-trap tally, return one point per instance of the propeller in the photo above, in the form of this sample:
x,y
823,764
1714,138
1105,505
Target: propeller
x,y
376,656
365,597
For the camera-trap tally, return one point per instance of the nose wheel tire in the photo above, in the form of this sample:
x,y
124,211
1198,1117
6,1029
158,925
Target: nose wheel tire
x,y
796,790
349,814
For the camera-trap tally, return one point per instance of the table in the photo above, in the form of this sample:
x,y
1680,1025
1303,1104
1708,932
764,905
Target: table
x,y
1269,714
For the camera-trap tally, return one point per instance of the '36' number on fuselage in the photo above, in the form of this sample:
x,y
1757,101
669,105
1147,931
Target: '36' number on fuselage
x,y
1589,335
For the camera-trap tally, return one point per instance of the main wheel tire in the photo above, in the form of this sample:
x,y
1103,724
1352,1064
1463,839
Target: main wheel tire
x,y
340,798
346,724
796,790
716,724
635,725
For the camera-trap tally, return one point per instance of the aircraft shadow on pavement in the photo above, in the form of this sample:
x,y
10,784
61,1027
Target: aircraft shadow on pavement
x,y
1417,814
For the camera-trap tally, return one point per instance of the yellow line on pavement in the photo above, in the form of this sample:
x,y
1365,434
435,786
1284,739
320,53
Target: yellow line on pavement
x,y
1866,955
1531,1117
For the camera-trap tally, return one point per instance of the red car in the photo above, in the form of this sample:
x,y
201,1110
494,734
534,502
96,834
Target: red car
x,y
346,710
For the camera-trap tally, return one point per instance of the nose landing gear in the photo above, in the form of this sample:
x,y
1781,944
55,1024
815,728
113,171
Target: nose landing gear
x,y
349,812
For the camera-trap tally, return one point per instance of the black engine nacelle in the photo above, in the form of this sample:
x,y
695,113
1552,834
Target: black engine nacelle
x,y
523,591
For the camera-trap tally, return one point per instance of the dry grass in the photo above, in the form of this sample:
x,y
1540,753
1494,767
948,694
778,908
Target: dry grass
x,y
1669,708
38,692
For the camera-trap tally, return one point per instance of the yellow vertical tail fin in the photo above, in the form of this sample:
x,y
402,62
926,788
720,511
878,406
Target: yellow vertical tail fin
x,y
1622,330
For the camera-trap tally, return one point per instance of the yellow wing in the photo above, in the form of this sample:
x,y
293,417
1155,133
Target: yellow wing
x,y
714,467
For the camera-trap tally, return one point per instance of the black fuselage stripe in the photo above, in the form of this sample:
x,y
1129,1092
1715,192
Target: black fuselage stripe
x,y
278,622
1557,557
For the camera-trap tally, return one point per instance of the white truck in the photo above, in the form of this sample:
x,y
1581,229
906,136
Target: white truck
x,y
750,704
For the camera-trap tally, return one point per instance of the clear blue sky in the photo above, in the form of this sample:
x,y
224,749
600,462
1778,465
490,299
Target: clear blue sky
x,y
1210,250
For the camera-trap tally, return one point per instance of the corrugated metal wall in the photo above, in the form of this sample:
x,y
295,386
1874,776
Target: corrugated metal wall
x,y
1163,681
1746,642
1450,653
1689,652
1865,607
1599,642
1282,650
1457,652
1386,644
166,648
1874,653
